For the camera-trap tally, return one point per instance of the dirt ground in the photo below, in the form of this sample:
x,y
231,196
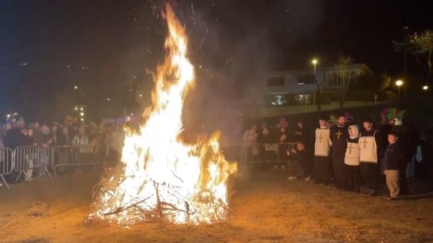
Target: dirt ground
x,y
265,208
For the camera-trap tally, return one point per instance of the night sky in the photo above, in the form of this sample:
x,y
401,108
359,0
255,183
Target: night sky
x,y
48,46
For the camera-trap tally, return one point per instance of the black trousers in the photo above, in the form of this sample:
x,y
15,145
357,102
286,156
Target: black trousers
x,y
339,169
322,167
353,180
369,174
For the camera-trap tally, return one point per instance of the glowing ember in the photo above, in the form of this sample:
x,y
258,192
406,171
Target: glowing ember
x,y
161,177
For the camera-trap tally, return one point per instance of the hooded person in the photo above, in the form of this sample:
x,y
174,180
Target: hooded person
x,y
351,159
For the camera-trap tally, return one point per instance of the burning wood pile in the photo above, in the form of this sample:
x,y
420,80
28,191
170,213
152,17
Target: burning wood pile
x,y
161,177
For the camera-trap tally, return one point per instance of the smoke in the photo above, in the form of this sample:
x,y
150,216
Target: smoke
x,y
235,45
232,45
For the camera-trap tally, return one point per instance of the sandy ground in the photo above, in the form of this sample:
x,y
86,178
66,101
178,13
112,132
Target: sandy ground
x,y
265,208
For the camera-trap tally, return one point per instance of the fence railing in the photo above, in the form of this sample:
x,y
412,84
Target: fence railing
x,y
258,153
28,158
6,163
85,155
24,160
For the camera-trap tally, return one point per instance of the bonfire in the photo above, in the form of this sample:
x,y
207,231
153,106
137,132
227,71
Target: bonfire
x,y
160,177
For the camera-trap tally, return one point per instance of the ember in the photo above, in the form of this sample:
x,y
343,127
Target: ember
x,y
162,178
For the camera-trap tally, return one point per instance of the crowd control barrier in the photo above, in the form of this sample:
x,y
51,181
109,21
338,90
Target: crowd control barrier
x,y
28,158
6,163
77,156
24,160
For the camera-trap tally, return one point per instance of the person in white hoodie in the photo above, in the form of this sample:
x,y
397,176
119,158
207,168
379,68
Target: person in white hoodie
x,y
351,159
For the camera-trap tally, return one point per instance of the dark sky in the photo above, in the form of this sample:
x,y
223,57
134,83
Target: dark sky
x,y
49,46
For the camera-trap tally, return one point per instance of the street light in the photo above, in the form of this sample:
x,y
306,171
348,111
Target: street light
x,y
314,62
399,83
75,87
425,87
108,99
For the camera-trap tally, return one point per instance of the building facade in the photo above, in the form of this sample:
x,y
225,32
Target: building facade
x,y
299,87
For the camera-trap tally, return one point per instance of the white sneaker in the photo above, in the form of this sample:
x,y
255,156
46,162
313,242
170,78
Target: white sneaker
x,y
291,178
283,167
307,178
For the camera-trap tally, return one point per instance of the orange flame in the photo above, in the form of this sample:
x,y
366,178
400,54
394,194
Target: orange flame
x,y
162,177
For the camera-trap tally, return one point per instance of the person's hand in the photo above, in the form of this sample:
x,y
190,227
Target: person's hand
x,y
294,151
288,153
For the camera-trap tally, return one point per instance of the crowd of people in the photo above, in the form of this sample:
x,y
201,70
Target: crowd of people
x,y
338,152
16,133
345,155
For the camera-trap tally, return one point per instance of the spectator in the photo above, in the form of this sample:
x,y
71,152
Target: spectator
x,y
297,164
27,140
85,149
63,137
41,138
264,139
81,137
13,135
299,132
250,141
54,133
394,162
2,145
282,147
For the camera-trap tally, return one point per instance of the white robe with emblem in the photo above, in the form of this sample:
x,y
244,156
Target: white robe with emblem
x,y
368,149
322,143
352,154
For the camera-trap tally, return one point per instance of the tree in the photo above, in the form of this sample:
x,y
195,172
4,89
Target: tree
x,y
423,44
343,77
419,44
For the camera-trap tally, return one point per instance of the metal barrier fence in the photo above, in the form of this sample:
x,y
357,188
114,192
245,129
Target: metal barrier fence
x,y
25,159
85,155
259,153
28,158
6,163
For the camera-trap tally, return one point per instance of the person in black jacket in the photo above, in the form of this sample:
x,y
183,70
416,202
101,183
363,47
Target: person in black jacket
x,y
394,161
